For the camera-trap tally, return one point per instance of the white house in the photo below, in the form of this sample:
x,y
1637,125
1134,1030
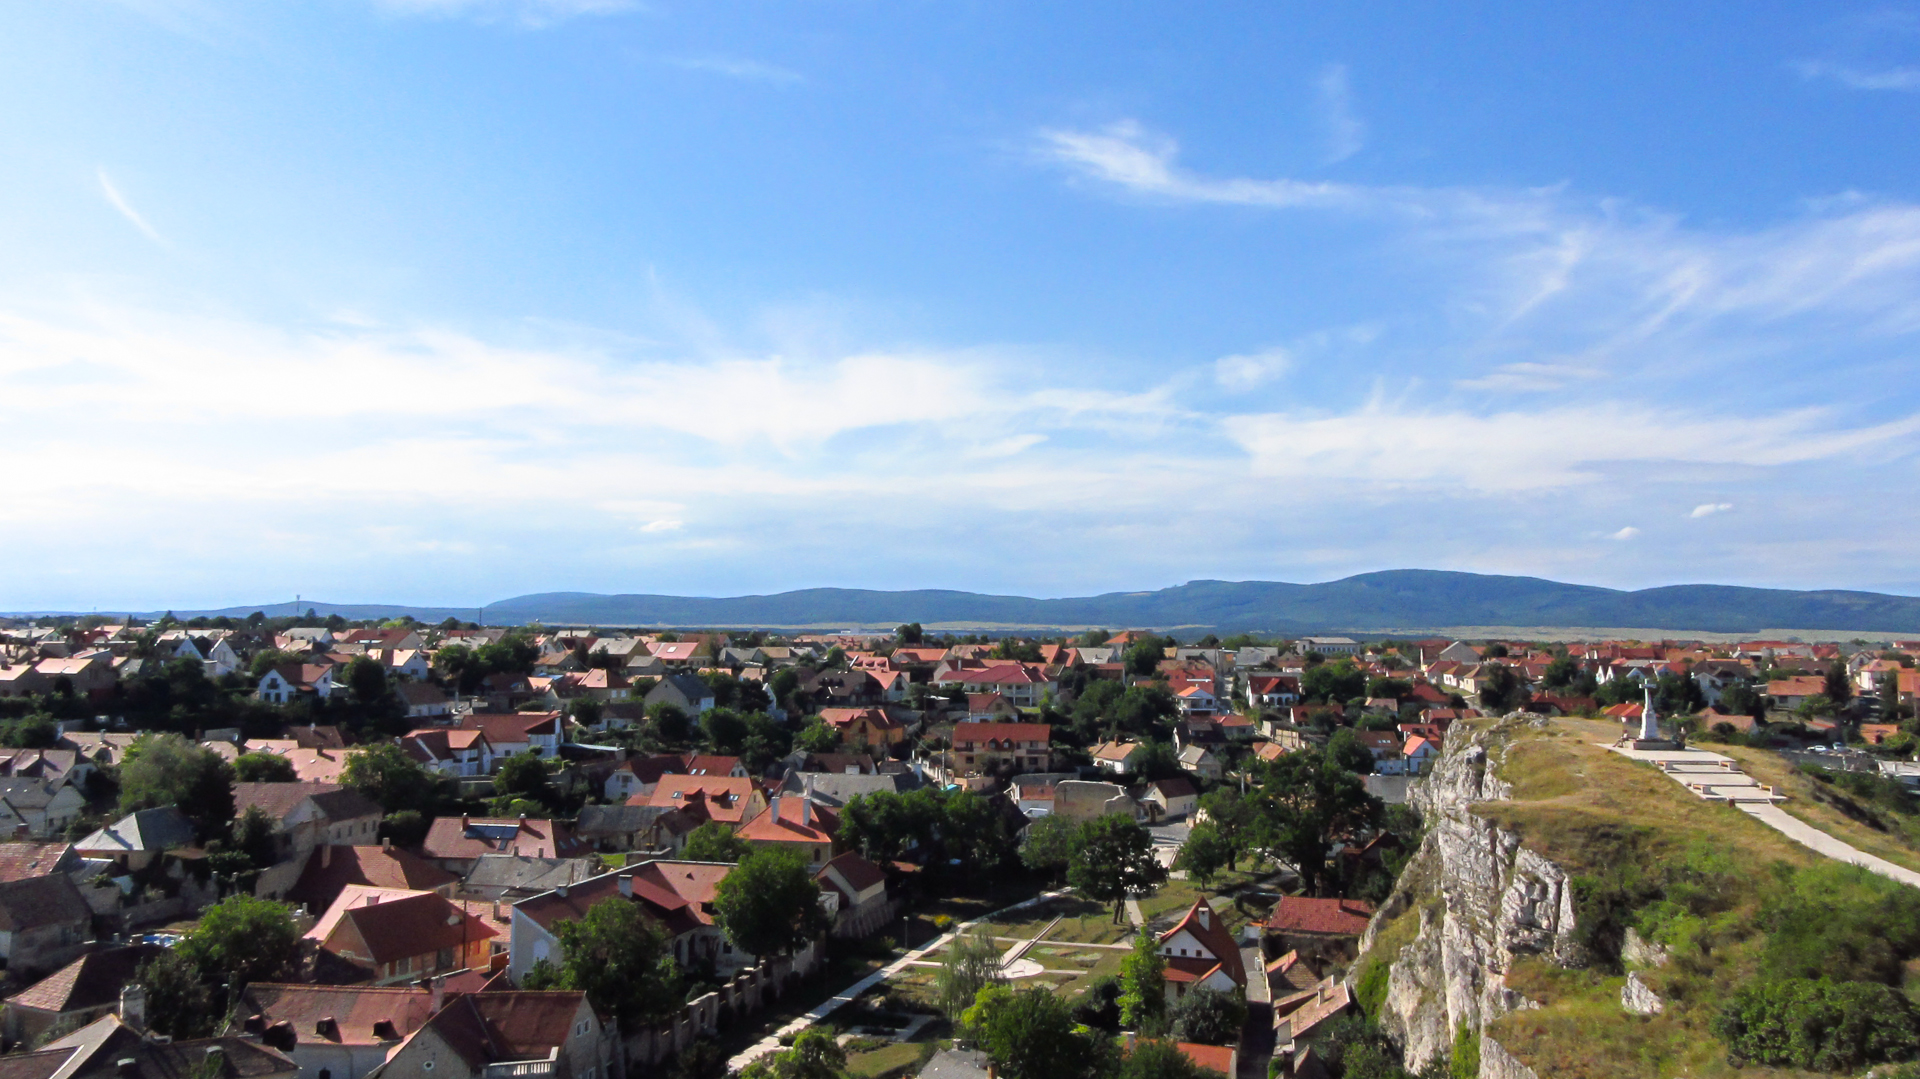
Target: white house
x,y
1200,953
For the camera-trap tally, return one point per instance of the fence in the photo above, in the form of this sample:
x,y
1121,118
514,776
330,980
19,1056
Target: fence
x,y
746,993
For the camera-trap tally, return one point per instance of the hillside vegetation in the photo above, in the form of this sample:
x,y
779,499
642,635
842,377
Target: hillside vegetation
x,y
1777,956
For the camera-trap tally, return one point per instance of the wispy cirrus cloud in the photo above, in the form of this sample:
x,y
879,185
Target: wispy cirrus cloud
x,y
125,209
1860,78
734,67
1345,132
1708,509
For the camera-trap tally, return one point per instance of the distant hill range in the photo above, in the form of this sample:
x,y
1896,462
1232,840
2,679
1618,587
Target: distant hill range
x,y
1394,601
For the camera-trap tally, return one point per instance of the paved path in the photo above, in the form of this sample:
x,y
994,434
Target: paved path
x,y
1808,836
1714,777
1133,913
851,993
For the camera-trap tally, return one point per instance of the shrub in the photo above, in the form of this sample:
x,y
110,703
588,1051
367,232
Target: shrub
x,y
1821,1025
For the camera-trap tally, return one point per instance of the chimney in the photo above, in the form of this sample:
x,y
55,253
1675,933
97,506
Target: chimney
x,y
626,886
438,990
561,890
386,842
1206,915
326,855
498,914
133,1006
806,812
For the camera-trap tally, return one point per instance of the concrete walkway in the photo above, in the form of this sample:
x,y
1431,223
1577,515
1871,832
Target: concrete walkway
x,y
1716,778
1808,836
853,992
1133,914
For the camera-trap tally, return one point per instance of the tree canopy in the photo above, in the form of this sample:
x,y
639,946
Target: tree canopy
x,y
167,769
1112,859
1305,802
770,904
253,940
620,959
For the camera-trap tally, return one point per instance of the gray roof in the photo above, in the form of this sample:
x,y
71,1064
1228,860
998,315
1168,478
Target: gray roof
x,y
597,821
531,875
145,830
837,789
25,793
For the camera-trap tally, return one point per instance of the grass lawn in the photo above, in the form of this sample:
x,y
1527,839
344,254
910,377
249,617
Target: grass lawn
x,y
898,1058
1597,814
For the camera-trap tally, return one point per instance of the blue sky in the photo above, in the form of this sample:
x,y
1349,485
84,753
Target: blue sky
x,y
443,301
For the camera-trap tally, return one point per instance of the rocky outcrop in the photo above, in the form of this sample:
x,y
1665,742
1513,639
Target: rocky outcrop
x,y
1482,901
1637,997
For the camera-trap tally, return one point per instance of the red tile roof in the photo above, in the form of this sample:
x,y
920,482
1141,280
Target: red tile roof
x,y
1212,933
470,837
1328,917
791,819
330,869
355,1010
413,925
18,861
978,733
1214,1058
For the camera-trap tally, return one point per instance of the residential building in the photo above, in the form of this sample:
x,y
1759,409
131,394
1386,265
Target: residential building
x,y
75,995
497,1035
865,726
455,843
135,840
308,815
1002,748
340,1031
1200,953
329,870
400,936
1201,762
686,692
1116,757
793,822
286,683
450,751
44,924
678,896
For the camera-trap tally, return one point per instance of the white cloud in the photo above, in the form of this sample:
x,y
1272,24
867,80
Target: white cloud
x,y
662,526
1708,509
1346,133
119,202
1387,448
1861,78
737,68
1626,533
1244,372
1127,155
1529,377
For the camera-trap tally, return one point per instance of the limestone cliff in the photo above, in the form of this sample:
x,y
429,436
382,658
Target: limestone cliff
x,y
1479,900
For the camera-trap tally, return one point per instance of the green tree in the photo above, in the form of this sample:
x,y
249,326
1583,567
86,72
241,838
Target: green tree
x,y
1030,1034
770,904
620,959
179,1004
1047,845
407,828
1235,816
1143,986
1143,656
1503,691
1151,1058
166,769
1113,859
818,736
971,963
258,767
668,723
253,836
249,939
815,1055
366,678
1205,853
714,842
1395,688
1210,1017
1305,804
1839,687
1329,682
885,825
972,831
1560,673
523,775
385,774
909,634
1345,751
